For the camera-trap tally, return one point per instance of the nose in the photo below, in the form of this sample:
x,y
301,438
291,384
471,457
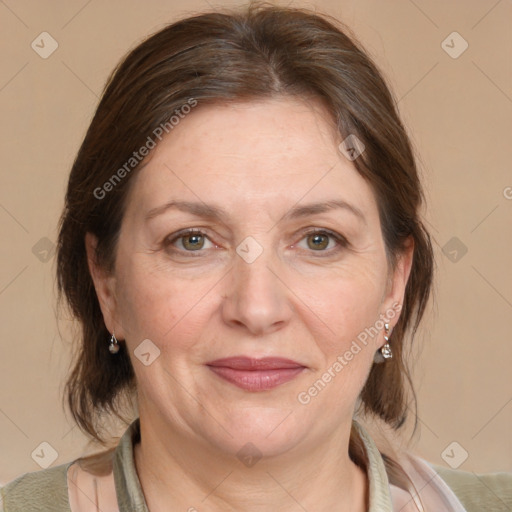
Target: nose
x,y
256,297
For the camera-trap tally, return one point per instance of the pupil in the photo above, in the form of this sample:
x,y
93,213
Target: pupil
x,y
319,241
193,241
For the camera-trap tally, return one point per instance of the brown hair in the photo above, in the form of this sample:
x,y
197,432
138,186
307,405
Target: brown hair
x,y
256,52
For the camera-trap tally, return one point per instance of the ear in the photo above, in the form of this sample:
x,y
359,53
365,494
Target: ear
x,y
397,281
104,284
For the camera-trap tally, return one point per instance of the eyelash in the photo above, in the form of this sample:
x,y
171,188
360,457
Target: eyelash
x,y
340,240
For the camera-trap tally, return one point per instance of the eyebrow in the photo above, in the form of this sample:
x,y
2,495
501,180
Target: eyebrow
x,y
207,211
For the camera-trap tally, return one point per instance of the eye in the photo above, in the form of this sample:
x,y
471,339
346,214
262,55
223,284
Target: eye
x,y
194,240
323,241
190,240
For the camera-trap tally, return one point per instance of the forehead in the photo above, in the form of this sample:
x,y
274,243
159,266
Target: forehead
x,y
264,154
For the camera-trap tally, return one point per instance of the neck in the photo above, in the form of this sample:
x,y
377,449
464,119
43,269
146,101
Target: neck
x,y
177,473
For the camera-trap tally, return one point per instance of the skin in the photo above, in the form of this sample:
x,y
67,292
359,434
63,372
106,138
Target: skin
x,y
256,161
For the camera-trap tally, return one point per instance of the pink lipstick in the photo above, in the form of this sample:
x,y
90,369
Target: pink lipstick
x,y
256,374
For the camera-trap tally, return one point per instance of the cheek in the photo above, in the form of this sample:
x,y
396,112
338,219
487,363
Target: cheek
x,y
342,319
342,306
159,305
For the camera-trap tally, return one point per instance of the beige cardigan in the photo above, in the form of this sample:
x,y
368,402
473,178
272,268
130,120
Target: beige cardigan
x,y
69,488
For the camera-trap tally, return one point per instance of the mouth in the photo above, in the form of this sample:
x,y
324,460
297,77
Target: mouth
x,y
256,374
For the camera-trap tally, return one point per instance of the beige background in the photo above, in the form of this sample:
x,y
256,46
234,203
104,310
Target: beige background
x,y
459,114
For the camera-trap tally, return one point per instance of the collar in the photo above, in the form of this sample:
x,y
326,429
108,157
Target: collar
x,y
378,483
131,498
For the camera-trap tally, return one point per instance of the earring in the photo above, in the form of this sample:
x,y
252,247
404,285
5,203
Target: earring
x,y
114,345
384,352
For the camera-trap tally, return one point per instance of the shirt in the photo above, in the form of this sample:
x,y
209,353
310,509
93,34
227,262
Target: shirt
x,y
69,488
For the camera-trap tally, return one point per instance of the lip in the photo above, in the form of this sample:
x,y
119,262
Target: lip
x,y
256,374
251,363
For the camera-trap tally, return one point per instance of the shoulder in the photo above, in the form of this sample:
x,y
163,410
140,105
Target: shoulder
x,y
45,489
53,488
491,492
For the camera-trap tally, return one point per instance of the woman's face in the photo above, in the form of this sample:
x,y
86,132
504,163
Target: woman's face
x,y
255,281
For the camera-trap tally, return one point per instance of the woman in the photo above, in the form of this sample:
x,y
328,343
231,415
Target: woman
x,y
243,249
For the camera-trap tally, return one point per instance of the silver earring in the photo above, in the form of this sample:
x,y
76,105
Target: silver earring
x,y
384,352
114,345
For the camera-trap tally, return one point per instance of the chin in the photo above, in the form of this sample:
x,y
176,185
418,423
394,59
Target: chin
x,y
267,432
